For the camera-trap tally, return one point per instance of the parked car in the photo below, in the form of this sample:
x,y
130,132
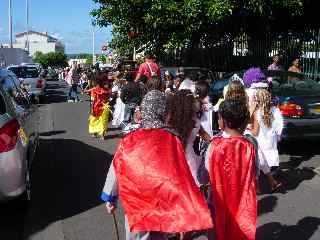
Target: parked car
x,y
19,123
31,80
298,99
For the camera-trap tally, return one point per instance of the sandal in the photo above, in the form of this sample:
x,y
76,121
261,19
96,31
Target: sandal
x,y
276,187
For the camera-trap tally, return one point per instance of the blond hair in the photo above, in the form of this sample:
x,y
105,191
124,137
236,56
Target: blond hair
x,y
236,92
264,104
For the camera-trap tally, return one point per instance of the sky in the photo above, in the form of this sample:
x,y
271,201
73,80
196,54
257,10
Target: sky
x,y
67,20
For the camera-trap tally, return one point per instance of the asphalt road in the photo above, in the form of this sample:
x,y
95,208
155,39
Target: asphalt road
x,y
70,170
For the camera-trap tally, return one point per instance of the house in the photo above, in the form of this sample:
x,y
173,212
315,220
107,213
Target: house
x,y
38,42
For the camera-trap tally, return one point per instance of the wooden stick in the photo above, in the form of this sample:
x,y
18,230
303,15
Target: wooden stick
x,y
115,225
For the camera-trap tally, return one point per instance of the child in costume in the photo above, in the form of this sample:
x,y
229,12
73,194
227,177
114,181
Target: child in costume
x,y
267,127
184,117
150,175
254,79
208,116
119,108
98,120
231,165
237,92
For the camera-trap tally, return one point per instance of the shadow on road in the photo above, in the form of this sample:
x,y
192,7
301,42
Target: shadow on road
x,y
303,230
56,93
291,173
267,204
67,179
56,96
12,219
292,178
299,151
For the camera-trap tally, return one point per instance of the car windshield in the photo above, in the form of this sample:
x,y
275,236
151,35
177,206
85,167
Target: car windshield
x,y
293,84
295,87
25,72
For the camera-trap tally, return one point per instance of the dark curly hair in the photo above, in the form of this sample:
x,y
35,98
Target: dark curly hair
x,y
182,108
235,114
154,83
202,89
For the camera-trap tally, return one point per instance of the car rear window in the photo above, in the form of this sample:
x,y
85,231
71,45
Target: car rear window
x,y
29,72
25,72
15,70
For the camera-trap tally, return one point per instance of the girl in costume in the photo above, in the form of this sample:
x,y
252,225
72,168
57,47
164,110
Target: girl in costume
x,y
267,128
98,120
118,115
255,80
183,116
237,92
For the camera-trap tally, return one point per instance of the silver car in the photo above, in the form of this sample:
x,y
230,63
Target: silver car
x,y
31,80
19,121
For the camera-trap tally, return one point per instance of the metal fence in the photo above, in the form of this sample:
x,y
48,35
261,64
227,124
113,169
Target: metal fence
x,y
247,51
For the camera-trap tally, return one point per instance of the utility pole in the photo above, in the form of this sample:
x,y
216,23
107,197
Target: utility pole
x,y
10,24
27,25
93,45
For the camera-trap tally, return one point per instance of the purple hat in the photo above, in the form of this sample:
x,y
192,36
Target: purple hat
x,y
253,75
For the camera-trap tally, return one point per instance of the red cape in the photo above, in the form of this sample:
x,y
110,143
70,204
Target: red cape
x,y
232,175
156,187
100,96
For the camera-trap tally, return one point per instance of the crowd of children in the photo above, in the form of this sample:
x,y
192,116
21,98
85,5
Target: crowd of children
x,y
185,164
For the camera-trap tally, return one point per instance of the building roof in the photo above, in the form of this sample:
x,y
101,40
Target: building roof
x,y
37,33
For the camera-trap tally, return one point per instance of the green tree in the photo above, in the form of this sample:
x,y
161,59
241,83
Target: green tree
x,y
102,58
158,25
52,59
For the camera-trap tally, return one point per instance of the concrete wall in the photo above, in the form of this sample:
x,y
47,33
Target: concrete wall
x,y
13,56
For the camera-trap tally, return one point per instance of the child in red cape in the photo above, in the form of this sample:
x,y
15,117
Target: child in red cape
x,y
231,165
150,175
